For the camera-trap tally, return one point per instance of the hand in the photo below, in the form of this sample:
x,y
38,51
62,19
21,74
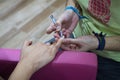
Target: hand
x,y
39,54
84,43
34,57
66,22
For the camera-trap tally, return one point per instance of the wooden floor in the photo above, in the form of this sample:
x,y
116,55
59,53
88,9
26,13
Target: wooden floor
x,y
26,20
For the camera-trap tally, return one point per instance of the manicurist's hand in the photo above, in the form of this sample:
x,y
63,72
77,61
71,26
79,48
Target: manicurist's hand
x,y
83,43
66,22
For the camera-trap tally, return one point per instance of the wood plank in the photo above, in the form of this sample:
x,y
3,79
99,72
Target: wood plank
x,y
12,32
15,41
21,18
43,15
29,21
7,6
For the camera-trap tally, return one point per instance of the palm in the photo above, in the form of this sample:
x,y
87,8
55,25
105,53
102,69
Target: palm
x,y
69,24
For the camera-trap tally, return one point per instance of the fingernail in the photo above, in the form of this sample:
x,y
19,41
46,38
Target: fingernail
x,y
33,39
47,43
62,37
58,28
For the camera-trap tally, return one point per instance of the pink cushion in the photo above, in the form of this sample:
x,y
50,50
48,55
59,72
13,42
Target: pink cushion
x,y
66,66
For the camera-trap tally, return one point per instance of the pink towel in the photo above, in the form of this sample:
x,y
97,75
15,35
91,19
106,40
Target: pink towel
x,y
66,66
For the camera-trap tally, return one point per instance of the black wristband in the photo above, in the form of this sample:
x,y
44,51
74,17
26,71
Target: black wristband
x,y
101,39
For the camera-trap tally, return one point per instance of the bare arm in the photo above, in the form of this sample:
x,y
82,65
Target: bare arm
x,y
23,71
112,43
67,21
70,2
90,42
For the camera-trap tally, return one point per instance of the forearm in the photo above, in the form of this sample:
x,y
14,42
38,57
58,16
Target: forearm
x,y
70,2
69,13
23,71
112,43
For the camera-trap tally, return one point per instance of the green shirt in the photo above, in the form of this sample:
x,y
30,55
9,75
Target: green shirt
x,y
112,28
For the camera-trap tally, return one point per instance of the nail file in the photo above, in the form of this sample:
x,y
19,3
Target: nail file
x,y
52,40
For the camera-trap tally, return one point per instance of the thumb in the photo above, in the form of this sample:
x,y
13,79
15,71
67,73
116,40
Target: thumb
x,y
27,43
58,25
57,45
51,28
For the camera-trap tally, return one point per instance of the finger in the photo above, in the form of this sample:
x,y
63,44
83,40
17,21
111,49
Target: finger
x,y
48,44
27,43
70,41
70,47
57,45
65,47
67,33
58,26
63,30
56,39
56,35
51,28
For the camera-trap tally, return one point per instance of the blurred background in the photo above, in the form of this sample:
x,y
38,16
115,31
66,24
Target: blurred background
x,y
26,20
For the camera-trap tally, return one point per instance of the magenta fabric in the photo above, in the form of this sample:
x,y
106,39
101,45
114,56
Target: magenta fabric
x,y
67,65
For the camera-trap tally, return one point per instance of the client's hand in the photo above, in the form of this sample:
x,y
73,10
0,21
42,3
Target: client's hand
x,y
33,57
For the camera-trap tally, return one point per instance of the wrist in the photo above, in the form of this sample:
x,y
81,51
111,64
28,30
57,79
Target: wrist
x,y
70,3
27,66
76,11
67,15
23,71
96,43
101,40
